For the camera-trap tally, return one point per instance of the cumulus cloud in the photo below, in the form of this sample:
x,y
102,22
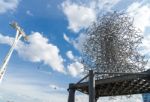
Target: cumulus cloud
x,y
8,5
79,16
140,12
38,49
70,55
75,68
6,39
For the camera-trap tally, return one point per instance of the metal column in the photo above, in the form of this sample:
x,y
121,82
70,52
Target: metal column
x,y
71,90
91,86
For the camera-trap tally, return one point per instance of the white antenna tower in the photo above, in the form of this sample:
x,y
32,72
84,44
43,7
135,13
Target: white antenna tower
x,y
19,33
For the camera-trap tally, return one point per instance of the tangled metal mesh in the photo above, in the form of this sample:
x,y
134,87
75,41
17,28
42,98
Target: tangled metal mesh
x,y
112,45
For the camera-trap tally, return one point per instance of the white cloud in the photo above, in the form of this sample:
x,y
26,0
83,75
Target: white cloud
x,y
70,55
66,38
75,68
103,5
140,12
79,16
146,43
28,12
7,5
38,49
6,39
145,49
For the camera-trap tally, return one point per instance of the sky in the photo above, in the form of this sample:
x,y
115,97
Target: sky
x,y
41,68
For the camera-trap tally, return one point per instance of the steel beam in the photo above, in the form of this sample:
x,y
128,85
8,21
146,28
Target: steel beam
x,y
91,86
71,90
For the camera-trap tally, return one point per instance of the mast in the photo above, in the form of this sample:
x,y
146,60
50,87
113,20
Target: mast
x,y
19,33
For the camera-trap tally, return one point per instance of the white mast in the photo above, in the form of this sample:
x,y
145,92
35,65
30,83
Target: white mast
x,y
19,34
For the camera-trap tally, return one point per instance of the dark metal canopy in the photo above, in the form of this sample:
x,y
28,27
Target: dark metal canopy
x,y
124,84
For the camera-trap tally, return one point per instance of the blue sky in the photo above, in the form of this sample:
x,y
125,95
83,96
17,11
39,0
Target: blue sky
x,y
41,69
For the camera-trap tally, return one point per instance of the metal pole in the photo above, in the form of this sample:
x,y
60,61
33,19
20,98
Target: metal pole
x,y
7,58
91,86
19,34
71,90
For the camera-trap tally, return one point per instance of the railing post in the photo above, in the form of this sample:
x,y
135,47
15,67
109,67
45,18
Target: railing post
x,y
71,90
91,86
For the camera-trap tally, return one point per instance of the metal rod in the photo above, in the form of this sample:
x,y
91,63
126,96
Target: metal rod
x,y
7,58
82,79
91,86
